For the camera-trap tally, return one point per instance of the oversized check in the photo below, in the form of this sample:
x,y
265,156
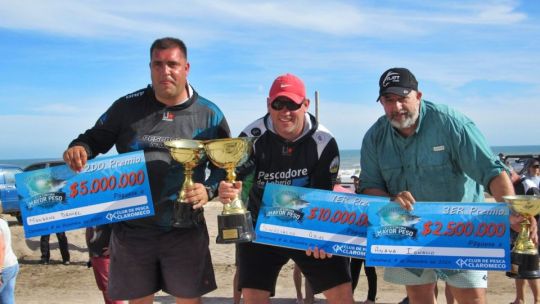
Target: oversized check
x,y
108,189
445,235
300,218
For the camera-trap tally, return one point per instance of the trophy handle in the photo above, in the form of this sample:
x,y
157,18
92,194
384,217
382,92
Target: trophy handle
x,y
523,243
188,182
236,206
231,174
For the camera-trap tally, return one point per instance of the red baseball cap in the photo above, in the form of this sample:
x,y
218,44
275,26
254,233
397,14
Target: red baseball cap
x,y
288,86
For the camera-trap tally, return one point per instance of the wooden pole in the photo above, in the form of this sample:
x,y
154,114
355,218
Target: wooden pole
x,y
317,105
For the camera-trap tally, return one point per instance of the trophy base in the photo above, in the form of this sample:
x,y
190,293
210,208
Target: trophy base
x,y
524,266
182,215
235,228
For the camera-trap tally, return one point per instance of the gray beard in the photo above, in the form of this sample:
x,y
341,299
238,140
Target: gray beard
x,y
407,123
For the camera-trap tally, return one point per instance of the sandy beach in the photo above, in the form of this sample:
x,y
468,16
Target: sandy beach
x,y
57,283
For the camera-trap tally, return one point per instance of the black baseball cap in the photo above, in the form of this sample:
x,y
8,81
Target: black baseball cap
x,y
534,162
399,81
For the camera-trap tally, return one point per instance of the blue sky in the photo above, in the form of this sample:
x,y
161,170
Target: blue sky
x,y
62,63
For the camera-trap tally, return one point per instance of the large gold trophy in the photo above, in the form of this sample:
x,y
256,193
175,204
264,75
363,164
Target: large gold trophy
x,y
189,153
525,253
234,224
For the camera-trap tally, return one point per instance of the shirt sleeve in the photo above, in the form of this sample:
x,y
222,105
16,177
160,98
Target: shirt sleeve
x,y
472,153
370,174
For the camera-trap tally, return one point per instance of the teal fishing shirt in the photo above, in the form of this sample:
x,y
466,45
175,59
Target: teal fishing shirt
x,y
446,159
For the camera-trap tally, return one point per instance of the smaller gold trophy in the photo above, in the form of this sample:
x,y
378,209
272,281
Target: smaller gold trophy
x,y
189,153
234,224
525,253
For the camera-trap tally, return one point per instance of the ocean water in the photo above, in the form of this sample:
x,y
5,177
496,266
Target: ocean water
x,y
350,159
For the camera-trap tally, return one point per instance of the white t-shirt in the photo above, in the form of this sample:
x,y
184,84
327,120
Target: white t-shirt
x,y
10,258
531,182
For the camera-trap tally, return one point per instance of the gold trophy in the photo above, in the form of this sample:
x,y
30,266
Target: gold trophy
x,y
234,223
189,153
525,253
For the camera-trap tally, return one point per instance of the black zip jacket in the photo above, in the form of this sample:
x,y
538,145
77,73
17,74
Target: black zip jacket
x,y
312,161
138,121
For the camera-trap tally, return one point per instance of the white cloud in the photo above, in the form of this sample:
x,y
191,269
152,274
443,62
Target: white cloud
x,y
201,20
505,123
59,109
349,121
99,19
470,12
341,44
39,135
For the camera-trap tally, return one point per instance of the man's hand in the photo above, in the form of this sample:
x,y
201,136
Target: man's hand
x,y
515,220
196,195
76,157
318,253
227,192
515,224
405,199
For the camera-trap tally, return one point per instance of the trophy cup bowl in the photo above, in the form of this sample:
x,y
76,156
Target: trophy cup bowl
x,y
525,253
234,223
189,153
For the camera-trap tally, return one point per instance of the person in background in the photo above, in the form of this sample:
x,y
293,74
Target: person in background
x,y
356,183
289,139
297,278
8,264
371,274
97,241
338,187
237,293
421,151
62,244
530,186
149,254
356,264
531,180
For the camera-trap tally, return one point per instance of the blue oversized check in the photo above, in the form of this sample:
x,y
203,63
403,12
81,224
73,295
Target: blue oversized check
x,y
108,189
445,235
300,218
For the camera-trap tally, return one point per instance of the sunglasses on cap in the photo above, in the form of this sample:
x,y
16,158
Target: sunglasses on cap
x,y
279,104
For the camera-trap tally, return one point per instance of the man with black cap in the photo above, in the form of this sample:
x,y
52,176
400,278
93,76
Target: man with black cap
x,y
422,151
531,182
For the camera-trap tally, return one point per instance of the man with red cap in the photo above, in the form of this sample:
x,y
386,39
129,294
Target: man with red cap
x,y
292,148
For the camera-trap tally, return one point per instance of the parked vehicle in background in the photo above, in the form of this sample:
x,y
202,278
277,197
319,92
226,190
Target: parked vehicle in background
x,y
9,197
517,161
43,165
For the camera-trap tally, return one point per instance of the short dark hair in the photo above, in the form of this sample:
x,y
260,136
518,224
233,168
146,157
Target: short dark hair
x,y
167,43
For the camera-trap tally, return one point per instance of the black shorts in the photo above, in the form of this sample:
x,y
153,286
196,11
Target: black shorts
x,y
260,266
144,261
